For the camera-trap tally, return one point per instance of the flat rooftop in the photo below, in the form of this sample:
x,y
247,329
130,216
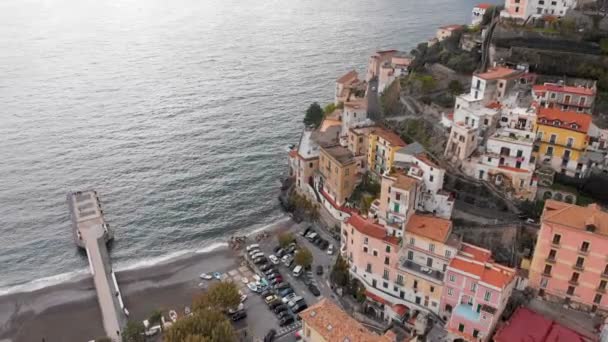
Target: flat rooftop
x,y
341,154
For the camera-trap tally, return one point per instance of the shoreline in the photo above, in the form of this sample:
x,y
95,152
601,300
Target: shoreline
x,y
31,316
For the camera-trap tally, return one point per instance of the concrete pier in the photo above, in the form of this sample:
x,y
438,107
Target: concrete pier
x,y
92,233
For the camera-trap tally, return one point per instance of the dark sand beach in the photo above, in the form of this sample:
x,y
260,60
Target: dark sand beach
x,y
69,311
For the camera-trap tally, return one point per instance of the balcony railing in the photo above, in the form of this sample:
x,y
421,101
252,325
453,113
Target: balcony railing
x,y
604,275
423,270
578,267
546,274
573,282
550,259
583,251
601,289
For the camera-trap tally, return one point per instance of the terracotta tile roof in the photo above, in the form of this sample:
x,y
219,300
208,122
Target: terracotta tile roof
x,y
489,273
483,6
404,182
476,253
348,77
575,217
327,122
334,325
494,105
582,120
428,226
497,73
390,136
513,169
526,325
563,89
424,158
371,229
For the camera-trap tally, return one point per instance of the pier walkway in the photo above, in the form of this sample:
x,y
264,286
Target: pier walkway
x,y
92,233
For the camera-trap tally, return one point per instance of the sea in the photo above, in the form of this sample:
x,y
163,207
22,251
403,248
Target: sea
x,y
177,112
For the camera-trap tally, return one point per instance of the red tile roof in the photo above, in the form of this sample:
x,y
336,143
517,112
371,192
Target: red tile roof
x,y
563,89
430,227
582,120
371,229
348,77
376,298
484,6
497,73
389,136
513,169
575,217
526,325
400,309
476,253
489,273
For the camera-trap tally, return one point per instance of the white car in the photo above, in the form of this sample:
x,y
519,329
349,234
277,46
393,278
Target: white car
x,y
273,259
256,277
289,297
254,246
206,276
257,255
245,280
330,249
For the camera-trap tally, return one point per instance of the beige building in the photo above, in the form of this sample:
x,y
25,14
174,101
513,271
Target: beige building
x,y
398,197
338,168
326,322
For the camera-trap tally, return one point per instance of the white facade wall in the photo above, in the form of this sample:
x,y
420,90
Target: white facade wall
x,y
351,116
518,153
477,15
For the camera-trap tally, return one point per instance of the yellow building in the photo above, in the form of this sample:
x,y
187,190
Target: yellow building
x,y
382,147
326,322
338,168
562,139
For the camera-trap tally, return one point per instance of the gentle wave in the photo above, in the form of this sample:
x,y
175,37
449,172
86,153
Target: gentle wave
x,y
41,283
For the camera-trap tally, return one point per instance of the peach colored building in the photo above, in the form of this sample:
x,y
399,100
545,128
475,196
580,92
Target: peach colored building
x,y
579,98
476,291
569,263
338,168
446,31
376,61
398,198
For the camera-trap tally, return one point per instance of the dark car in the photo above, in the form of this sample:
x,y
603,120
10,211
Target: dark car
x,y
286,321
275,281
283,314
319,241
314,290
265,267
237,316
306,231
285,292
276,248
275,304
280,253
260,260
282,286
324,245
307,281
269,271
270,336
291,249
280,308
266,293
299,307
319,269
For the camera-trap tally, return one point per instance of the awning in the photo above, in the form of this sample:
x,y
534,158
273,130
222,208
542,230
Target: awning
x,y
376,298
400,309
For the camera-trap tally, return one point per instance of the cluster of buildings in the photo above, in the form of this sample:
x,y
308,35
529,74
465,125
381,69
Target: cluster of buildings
x,y
507,125
522,10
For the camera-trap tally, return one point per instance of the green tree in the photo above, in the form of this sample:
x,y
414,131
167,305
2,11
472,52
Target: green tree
x,y
604,46
455,87
303,257
221,296
314,115
156,318
133,332
285,239
329,108
339,273
206,325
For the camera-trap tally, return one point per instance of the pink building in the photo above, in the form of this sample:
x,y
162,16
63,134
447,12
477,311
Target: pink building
x,y
569,263
475,293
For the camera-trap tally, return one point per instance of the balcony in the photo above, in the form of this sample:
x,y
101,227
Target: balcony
x,y
604,275
555,244
573,282
601,290
422,270
583,251
550,260
578,267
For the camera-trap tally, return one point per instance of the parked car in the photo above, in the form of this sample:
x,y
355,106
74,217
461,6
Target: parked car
x,y
306,231
330,250
283,285
270,271
319,241
270,336
266,293
289,297
288,262
286,321
260,260
276,280
286,292
295,301
319,270
276,248
273,305
280,308
237,316
280,252
324,245
314,290
312,236
265,267
283,314
270,299
253,246
273,259
299,307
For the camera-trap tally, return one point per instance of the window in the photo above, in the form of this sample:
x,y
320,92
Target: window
x,y
597,299
549,150
544,282
396,207
556,239
489,159
552,254
475,333
385,285
307,332
410,255
541,2
585,246
520,153
553,3
570,290
375,252
431,178
388,249
580,261
364,249
346,172
386,260
412,241
385,275
547,270
432,247
567,98
368,268
602,285
432,289
574,278
365,241
399,279
606,270
452,278
570,142
429,262
397,196
448,253
517,8
487,296
461,327
473,287
450,291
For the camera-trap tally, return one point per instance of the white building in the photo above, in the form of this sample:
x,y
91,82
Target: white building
x,y
432,198
390,71
524,9
478,12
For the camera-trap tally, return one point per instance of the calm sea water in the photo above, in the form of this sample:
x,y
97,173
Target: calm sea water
x,y
177,112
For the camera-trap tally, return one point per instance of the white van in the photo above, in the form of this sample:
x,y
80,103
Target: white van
x,y
254,246
297,271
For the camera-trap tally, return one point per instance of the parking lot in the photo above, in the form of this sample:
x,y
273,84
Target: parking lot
x,y
260,319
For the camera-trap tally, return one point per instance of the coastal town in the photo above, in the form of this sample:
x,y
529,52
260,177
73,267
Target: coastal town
x,y
455,192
